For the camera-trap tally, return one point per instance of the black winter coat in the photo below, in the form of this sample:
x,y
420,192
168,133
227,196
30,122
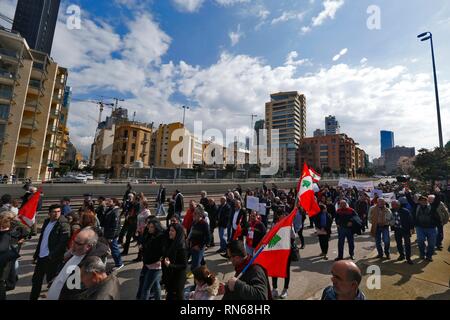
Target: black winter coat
x,y
111,223
57,240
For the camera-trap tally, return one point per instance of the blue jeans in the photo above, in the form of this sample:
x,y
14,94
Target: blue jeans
x,y
428,234
115,252
149,281
440,236
382,232
342,234
160,208
197,256
223,239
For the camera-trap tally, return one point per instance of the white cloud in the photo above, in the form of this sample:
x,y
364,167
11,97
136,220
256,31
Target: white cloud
x,y
235,36
329,11
365,99
288,15
363,61
231,2
291,60
340,54
188,5
330,7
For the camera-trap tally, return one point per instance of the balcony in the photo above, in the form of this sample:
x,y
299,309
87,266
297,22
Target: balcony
x,y
9,54
54,113
26,142
52,130
6,94
49,145
30,124
7,75
33,106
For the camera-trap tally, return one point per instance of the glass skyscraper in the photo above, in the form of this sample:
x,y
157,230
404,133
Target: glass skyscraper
x,y
387,140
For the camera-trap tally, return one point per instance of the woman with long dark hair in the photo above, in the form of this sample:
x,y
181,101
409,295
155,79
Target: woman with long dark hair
x,y
152,251
174,263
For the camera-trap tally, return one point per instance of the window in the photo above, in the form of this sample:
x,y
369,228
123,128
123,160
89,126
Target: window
x,y
134,133
4,111
325,153
133,146
5,92
124,146
125,134
132,159
323,147
123,159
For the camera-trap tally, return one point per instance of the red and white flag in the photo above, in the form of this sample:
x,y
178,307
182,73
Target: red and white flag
x,y
27,214
306,196
277,248
315,176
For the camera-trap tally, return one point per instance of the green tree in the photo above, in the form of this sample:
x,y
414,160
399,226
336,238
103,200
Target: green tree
x,y
431,166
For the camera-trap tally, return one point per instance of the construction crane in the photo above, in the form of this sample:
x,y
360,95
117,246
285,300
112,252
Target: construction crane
x,y
249,115
101,106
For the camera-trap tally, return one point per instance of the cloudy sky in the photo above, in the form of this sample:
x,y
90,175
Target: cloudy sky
x,y
224,58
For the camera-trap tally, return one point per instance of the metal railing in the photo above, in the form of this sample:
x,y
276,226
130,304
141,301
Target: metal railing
x,y
9,53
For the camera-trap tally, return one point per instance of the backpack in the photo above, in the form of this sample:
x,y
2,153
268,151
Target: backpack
x,y
443,213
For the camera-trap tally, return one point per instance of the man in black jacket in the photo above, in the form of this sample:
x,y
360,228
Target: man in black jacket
x,y
238,217
50,249
179,202
111,229
253,284
160,199
403,228
223,216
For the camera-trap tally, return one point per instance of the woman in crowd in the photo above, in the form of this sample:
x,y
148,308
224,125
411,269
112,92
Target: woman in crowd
x,y
141,224
75,227
174,263
324,221
152,252
254,233
206,285
8,253
199,237
189,217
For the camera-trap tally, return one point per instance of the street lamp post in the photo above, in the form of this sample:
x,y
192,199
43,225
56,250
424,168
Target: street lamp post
x,y
424,37
184,113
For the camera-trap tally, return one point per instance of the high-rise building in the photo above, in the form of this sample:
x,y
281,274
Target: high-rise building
x,y
386,140
393,155
35,20
32,132
319,133
131,144
337,152
163,147
331,126
286,112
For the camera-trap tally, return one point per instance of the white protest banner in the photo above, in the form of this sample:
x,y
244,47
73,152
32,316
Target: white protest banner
x,y
377,192
389,197
346,183
262,209
252,203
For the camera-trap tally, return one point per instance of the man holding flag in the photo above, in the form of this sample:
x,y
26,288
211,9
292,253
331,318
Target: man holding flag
x,y
272,254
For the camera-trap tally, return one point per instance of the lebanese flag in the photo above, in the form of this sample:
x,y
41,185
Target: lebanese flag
x,y
238,231
306,194
27,214
277,248
315,176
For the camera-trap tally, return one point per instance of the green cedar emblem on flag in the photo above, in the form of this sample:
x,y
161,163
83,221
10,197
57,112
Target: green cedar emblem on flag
x,y
306,184
274,241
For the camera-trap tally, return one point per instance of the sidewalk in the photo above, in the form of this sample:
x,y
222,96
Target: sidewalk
x,y
400,281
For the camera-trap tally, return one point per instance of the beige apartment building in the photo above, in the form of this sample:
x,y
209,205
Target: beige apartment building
x,y
286,112
163,147
132,143
32,133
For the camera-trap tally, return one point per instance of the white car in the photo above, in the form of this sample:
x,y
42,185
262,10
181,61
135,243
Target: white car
x,y
89,176
81,177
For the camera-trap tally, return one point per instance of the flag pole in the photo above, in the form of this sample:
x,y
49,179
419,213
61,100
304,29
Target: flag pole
x,y
251,261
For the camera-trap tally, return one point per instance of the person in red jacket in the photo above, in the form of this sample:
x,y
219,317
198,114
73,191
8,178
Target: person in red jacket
x,y
188,219
253,233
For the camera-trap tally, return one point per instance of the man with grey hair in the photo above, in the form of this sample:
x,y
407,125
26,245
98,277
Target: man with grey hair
x,y
223,218
344,221
85,244
403,228
346,278
381,218
99,285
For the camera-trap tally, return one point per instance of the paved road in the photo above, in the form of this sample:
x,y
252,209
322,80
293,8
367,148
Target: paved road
x,y
308,276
